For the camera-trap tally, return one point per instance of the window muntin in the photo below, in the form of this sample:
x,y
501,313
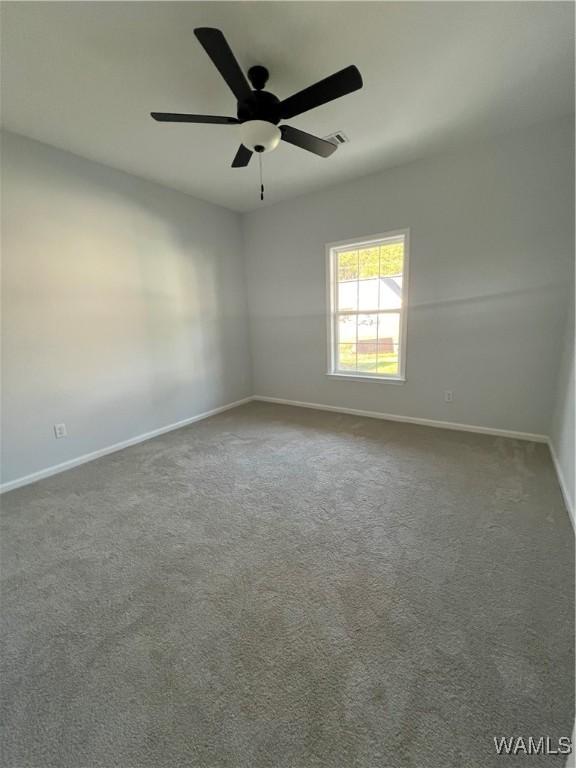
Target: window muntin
x,y
367,306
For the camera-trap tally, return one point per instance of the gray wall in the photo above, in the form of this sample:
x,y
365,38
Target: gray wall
x,y
563,428
491,246
124,302
123,306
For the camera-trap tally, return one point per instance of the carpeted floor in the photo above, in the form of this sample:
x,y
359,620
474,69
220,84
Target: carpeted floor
x,y
285,588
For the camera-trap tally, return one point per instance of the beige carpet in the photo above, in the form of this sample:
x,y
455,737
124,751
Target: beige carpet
x,y
285,588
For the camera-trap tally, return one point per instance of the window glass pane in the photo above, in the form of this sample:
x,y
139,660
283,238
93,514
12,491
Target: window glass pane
x,y
347,265
388,341
368,264
367,361
346,328
387,365
367,347
367,327
348,295
391,259
390,292
346,357
389,326
368,294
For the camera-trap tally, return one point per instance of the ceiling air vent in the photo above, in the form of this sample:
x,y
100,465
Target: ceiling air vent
x,y
339,137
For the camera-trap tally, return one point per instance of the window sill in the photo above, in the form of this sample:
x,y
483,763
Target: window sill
x,y
352,377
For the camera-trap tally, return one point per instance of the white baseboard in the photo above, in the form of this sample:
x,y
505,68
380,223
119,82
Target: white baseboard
x,y
568,501
410,419
57,468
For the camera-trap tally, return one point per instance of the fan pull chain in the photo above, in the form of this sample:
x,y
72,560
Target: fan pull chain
x,y
261,183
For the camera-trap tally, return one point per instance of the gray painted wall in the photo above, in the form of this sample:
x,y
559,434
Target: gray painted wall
x,y
563,428
123,306
491,247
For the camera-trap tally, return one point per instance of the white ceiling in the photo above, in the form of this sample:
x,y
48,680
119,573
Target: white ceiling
x,y
84,76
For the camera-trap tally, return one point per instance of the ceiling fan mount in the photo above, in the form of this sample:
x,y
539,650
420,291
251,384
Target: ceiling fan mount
x,y
258,76
259,111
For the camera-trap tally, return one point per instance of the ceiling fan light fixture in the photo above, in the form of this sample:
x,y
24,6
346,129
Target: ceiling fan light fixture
x,y
260,135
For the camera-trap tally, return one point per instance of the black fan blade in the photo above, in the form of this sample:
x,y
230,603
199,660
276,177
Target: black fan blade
x,y
338,84
215,45
242,157
174,117
307,141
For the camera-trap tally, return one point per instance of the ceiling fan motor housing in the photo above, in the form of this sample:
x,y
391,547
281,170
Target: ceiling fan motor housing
x,y
259,105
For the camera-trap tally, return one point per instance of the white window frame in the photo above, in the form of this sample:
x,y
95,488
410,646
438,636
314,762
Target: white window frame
x,y
332,250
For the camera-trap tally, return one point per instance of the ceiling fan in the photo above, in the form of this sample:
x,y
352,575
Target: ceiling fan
x,y
258,111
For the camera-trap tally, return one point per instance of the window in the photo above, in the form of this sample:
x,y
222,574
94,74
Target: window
x,y
367,302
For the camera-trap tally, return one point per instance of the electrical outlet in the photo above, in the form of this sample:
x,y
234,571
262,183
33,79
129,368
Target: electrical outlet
x,y
448,395
60,431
